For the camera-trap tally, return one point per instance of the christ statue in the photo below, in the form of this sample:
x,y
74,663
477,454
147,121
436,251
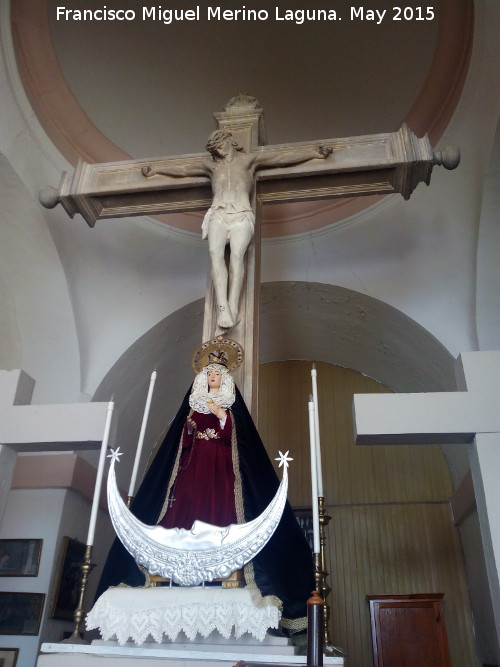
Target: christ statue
x,y
230,219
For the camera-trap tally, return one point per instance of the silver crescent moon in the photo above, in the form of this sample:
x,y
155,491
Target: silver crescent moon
x,y
204,553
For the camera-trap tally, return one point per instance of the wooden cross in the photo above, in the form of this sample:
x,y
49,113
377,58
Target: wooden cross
x,y
471,415
365,165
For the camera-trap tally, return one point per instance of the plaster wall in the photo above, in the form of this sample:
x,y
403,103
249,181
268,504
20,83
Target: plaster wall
x,y
484,464
482,610
37,315
420,256
120,278
488,268
32,514
7,464
49,514
403,253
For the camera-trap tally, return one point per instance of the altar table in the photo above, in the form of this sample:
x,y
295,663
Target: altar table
x,y
163,612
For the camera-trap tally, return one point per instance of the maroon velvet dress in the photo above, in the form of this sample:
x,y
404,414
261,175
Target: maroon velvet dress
x,y
204,486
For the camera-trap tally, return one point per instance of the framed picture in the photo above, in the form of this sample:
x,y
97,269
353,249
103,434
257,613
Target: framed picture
x,y
8,657
21,613
305,519
20,558
67,579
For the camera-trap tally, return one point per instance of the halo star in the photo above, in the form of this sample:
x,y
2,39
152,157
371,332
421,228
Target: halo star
x,y
283,459
115,454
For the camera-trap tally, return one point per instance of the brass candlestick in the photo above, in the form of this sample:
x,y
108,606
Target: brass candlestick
x,y
86,568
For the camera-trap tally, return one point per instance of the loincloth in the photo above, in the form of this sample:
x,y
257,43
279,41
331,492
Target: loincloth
x,y
230,220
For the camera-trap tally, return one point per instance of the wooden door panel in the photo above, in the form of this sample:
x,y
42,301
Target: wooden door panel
x,y
408,631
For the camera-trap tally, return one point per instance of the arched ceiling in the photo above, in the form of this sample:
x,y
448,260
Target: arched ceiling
x,y
108,90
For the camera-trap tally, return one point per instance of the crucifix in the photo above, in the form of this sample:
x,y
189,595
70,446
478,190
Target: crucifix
x,y
233,183
470,415
230,220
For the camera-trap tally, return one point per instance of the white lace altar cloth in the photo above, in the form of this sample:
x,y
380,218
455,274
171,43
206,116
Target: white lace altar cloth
x,y
163,612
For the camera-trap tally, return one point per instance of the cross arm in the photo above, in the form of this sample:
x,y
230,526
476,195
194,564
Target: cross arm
x,y
370,164
366,165
119,189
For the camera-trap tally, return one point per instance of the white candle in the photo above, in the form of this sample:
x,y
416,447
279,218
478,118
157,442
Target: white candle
x,y
100,472
314,479
316,430
141,435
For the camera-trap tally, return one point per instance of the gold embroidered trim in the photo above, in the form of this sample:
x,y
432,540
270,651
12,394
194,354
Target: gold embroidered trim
x,y
255,594
238,489
258,599
147,578
294,623
171,481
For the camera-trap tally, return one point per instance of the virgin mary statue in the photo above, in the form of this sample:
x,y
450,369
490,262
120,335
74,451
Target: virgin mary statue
x,y
212,466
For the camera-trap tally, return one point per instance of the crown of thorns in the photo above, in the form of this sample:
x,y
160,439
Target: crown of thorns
x,y
218,137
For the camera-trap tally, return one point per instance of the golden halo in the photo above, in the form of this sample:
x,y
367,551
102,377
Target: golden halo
x,y
219,350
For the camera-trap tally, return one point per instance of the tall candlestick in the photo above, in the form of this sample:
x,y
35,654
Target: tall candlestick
x,y
314,478
141,435
100,472
316,430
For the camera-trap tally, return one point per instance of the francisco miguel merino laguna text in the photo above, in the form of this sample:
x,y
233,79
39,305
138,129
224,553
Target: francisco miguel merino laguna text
x,y
169,16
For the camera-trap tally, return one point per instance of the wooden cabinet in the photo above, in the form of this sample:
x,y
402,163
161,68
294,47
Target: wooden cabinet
x,y
408,631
